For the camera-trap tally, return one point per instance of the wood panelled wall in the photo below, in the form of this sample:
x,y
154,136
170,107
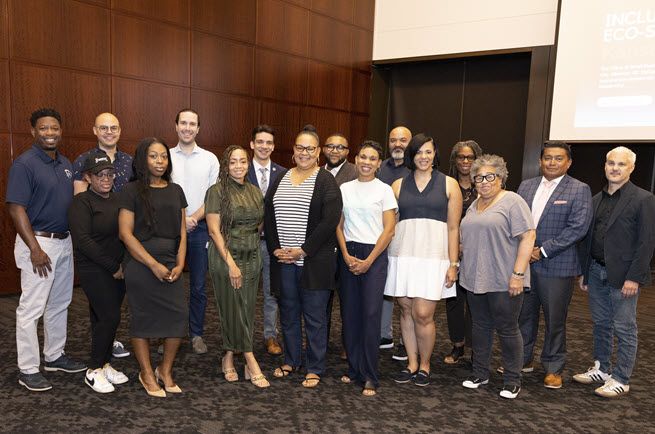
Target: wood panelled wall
x,y
237,62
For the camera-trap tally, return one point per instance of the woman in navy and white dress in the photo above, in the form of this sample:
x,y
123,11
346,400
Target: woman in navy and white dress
x,y
423,255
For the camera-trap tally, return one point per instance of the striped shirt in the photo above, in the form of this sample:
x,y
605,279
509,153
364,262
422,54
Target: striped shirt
x,y
291,205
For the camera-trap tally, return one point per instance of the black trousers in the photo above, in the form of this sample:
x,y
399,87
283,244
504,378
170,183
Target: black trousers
x,y
458,315
105,295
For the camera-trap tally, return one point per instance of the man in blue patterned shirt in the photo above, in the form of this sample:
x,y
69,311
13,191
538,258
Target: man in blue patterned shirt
x,y
108,131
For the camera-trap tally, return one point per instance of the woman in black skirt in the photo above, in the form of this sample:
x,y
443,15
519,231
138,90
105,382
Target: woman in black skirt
x,y
151,224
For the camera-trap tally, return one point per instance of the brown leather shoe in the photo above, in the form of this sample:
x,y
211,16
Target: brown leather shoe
x,y
273,347
553,381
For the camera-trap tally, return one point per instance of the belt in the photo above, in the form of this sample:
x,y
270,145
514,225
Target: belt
x,y
59,236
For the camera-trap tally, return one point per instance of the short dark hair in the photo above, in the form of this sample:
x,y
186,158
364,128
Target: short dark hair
x,y
336,134
44,113
262,128
177,116
412,149
556,144
373,145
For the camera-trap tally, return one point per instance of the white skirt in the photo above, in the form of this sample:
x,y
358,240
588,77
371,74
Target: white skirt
x,y
418,261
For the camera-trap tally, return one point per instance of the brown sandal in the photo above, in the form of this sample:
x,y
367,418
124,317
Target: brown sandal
x,y
369,389
284,371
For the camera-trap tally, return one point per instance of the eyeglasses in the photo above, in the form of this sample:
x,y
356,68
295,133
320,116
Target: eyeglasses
x,y
489,177
462,158
105,175
105,128
333,147
300,149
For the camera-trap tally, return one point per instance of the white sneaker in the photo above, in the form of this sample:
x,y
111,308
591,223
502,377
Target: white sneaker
x,y
510,392
593,375
612,389
96,380
114,376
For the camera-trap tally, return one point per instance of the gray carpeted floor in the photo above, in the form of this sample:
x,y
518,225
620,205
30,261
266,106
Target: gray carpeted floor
x,y
210,404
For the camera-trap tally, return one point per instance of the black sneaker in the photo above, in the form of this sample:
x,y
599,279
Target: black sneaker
x,y
404,376
422,378
63,363
400,354
510,392
474,382
386,343
35,382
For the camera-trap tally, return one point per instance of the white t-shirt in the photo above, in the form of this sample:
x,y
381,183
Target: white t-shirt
x,y
363,206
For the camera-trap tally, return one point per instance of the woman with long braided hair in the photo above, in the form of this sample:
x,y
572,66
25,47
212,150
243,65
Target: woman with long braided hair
x,y
234,210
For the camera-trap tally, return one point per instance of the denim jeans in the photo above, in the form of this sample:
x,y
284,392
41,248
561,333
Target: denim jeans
x,y
296,302
196,259
270,302
612,314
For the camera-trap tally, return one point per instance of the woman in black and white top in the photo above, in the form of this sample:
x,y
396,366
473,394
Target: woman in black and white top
x,y
301,214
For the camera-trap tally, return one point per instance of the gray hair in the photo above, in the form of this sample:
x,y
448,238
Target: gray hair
x,y
500,168
632,157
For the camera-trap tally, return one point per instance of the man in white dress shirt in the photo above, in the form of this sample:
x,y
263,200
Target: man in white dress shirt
x,y
195,170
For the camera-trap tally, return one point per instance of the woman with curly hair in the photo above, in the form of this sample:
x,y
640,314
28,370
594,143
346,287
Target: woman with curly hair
x,y
234,210
151,224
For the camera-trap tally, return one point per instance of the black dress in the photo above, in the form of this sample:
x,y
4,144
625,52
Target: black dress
x,y
157,309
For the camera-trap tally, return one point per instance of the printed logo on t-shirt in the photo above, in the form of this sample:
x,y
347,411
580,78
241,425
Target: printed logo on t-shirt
x,y
68,173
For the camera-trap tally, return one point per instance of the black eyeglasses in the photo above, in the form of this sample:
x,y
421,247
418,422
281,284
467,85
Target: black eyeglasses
x,y
333,147
300,149
489,177
463,158
106,175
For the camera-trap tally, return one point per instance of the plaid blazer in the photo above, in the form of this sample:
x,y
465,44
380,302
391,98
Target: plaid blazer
x,y
563,223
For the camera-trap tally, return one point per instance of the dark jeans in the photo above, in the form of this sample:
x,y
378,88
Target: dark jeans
x,y
459,317
554,295
361,298
500,312
293,303
196,260
105,295
612,314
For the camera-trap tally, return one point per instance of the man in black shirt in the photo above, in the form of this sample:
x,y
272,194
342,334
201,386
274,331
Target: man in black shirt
x,y
615,257
391,169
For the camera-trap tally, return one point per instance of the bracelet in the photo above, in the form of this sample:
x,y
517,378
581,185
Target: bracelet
x,y
518,275
454,264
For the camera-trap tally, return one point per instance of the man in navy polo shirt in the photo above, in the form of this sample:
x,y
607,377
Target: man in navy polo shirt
x,y
39,191
108,131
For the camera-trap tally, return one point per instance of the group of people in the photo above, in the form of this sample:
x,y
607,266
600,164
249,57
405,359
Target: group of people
x,y
376,232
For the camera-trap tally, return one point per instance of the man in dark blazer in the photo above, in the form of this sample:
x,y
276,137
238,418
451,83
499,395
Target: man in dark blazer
x,y
262,173
336,152
561,208
616,256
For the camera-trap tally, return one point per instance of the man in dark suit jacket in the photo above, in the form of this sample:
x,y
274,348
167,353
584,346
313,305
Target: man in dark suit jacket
x,y
262,173
336,152
616,256
561,208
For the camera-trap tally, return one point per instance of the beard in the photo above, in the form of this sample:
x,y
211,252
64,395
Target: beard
x,y
333,165
398,154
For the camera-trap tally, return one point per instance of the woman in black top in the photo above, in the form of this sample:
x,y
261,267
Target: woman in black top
x,y
152,226
459,319
301,214
93,217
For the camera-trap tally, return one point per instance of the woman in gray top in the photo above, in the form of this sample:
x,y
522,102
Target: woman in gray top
x,y
497,239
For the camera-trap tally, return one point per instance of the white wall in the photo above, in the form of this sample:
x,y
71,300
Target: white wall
x,y
412,28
